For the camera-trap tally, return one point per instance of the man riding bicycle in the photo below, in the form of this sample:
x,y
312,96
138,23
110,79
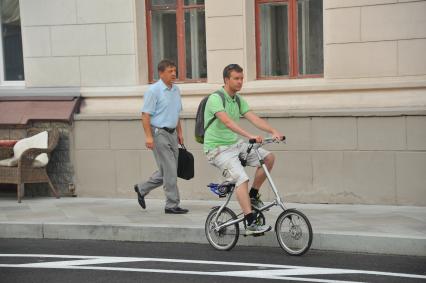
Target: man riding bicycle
x,y
224,149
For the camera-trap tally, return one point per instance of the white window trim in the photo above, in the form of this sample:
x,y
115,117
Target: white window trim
x,y
3,82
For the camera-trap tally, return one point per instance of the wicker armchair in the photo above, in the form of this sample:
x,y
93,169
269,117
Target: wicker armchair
x,y
24,172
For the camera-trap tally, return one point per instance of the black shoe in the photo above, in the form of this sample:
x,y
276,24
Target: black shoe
x,y
176,210
141,198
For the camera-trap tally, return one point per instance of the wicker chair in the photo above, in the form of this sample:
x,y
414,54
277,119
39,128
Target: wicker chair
x,y
24,172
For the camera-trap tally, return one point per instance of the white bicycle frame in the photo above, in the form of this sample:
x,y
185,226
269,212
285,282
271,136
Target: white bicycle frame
x,y
276,202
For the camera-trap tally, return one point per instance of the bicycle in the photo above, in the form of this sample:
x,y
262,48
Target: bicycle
x,y
292,227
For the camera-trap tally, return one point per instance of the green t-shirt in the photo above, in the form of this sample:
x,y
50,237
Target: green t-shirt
x,y
217,133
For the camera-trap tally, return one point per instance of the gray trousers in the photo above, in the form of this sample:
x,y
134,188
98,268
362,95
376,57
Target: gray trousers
x,y
166,154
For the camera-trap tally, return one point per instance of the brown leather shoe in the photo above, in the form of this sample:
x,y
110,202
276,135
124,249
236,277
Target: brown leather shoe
x,y
176,210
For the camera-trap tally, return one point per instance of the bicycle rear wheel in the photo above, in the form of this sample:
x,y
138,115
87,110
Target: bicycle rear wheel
x,y
225,238
294,232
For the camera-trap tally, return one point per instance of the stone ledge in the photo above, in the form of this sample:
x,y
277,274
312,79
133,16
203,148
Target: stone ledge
x,y
16,92
272,86
333,103
355,112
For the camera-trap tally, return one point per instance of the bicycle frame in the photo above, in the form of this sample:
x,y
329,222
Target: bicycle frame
x,y
276,202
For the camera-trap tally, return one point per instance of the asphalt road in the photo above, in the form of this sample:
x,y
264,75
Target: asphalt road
x,y
28,260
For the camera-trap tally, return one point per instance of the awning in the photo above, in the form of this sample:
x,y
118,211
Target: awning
x,y
21,110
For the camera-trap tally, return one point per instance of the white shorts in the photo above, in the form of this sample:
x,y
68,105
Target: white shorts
x,y
226,158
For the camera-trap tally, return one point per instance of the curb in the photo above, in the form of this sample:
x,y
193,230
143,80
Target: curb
x,y
323,240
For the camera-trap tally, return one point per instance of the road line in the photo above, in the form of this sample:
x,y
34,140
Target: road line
x,y
275,271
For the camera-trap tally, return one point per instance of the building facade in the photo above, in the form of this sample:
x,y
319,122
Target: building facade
x,y
344,80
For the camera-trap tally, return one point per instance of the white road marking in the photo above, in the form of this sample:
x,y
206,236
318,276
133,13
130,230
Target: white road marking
x,y
60,264
280,272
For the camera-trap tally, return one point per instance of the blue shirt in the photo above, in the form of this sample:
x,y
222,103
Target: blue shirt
x,y
163,104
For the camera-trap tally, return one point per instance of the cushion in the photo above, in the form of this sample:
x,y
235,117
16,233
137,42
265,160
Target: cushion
x,y
10,162
37,141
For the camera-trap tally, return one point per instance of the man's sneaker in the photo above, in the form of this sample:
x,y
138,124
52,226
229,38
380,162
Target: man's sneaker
x,y
256,202
254,229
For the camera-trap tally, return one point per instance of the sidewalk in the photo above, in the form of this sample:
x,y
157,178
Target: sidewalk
x,y
357,228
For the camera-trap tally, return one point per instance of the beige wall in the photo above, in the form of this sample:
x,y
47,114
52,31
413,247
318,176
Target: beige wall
x,y
102,43
230,37
79,43
380,38
343,159
358,135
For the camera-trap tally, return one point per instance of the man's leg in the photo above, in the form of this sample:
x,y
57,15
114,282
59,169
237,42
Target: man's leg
x,y
243,197
244,201
142,189
166,153
156,178
260,175
229,163
153,182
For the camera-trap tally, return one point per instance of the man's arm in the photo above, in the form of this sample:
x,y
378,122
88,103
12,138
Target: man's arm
x,y
146,123
228,122
179,132
262,124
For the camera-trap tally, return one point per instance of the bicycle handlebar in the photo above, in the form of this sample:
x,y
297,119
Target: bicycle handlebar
x,y
252,143
267,140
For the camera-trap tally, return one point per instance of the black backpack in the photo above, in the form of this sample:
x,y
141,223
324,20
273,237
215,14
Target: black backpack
x,y
200,127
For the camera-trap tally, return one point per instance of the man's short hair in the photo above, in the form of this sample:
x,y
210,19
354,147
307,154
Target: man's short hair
x,y
231,67
164,64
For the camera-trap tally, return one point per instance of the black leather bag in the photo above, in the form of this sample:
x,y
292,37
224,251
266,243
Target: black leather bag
x,y
185,168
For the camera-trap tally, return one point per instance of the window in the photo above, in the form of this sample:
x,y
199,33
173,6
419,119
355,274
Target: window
x,y
289,38
176,30
11,57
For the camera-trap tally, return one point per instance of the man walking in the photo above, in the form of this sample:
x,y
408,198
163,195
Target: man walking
x,y
223,147
163,132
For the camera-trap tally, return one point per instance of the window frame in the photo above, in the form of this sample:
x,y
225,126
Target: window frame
x,y
292,42
181,44
3,81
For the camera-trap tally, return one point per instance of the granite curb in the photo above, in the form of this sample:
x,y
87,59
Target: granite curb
x,y
323,240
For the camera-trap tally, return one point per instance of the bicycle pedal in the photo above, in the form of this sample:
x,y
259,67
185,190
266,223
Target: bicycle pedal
x,y
254,235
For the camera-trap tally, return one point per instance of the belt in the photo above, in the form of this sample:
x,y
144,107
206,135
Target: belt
x,y
169,130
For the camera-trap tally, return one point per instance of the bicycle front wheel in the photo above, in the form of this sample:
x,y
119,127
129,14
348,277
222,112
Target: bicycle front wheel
x,y
294,232
225,238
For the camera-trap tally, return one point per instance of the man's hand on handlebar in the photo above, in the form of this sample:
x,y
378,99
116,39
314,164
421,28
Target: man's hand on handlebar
x,y
256,139
267,140
277,136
